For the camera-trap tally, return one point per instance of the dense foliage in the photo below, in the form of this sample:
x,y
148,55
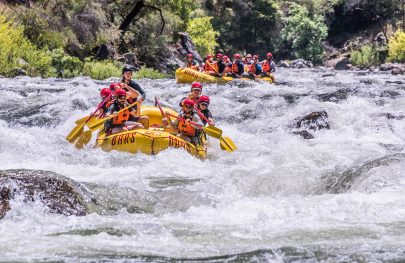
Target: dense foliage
x,y
306,33
396,47
61,38
365,57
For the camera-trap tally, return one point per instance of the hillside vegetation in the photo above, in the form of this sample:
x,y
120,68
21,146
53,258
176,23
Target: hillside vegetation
x,y
51,38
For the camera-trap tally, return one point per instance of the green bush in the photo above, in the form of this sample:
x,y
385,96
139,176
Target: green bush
x,y
18,51
203,34
396,47
365,57
149,73
306,33
65,65
101,69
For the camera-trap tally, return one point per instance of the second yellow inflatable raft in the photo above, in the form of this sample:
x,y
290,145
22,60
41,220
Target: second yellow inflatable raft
x,y
187,75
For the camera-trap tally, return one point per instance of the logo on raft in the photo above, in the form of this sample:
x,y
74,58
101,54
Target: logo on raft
x,y
123,139
191,72
130,138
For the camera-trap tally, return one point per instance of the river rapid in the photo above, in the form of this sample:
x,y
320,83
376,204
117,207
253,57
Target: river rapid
x,y
339,197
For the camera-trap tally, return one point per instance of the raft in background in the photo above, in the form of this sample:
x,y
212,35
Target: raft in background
x,y
188,75
148,141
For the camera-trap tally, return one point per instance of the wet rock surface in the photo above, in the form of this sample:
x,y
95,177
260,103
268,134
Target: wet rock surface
x,y
60,194
313,121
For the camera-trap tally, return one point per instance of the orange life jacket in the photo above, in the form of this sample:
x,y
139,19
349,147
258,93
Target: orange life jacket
x,y
235,68
266,66
186,129
209,67
121,118
252,68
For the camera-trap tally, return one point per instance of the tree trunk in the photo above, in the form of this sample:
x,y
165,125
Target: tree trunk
x,y
131,16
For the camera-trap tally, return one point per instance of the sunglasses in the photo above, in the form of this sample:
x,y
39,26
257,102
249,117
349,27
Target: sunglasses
x,y
122,98
188,106
204,104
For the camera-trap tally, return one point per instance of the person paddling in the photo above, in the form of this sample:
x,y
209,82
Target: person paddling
x,y
196,89
104,94
131,85
203,103
188,125
255,69
192,63
237,67
121,121
269,66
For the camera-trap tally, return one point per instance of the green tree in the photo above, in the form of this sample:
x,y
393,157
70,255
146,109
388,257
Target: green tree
x,y
251,25
365,57
203,34
305,33
396,47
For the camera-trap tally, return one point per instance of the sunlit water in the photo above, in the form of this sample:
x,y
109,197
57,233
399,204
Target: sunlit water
x,y
278,198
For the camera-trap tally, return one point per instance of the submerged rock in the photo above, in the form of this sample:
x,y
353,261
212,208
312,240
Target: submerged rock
x,y
304,134
314,121
301,63
60,194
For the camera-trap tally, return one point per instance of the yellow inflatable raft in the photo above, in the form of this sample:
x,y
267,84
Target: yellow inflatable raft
x,y
187,75
149,141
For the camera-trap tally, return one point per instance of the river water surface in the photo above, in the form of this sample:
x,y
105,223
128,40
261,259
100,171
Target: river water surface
x,y
339,197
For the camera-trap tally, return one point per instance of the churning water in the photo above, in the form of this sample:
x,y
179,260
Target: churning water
x,y
278,198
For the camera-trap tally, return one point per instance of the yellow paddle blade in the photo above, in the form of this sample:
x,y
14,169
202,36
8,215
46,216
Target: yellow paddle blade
x,y
227,144
75,133
213,131
84,139
82,120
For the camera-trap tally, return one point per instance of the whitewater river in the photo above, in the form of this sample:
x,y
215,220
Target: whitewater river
x,y
339,197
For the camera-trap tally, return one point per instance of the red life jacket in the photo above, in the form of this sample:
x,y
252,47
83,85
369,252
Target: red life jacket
x,y
266,66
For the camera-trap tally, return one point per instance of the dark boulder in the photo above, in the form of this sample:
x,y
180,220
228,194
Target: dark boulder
x,y
186,46
314,121
105,51
336,96
60,194
342,64
15,72
304,134
283,64
131,59
301,63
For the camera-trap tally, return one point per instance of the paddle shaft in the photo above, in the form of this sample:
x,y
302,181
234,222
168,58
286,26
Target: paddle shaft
x,y
202,115
99,107
113,115
191,122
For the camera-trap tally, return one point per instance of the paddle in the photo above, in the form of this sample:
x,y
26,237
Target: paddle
x,y
101,121
215,132
225,142
78,130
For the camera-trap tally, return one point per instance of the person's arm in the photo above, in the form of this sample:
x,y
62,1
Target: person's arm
x,y
210,118
133,84
273,67
198,121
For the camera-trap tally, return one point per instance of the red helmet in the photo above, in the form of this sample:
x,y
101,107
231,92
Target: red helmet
x,y
120,93
190,55
209,56
225,57
219,55
196,85
114,86
105,92
188,102
255,57
204,98
237,56
249,56
269,55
